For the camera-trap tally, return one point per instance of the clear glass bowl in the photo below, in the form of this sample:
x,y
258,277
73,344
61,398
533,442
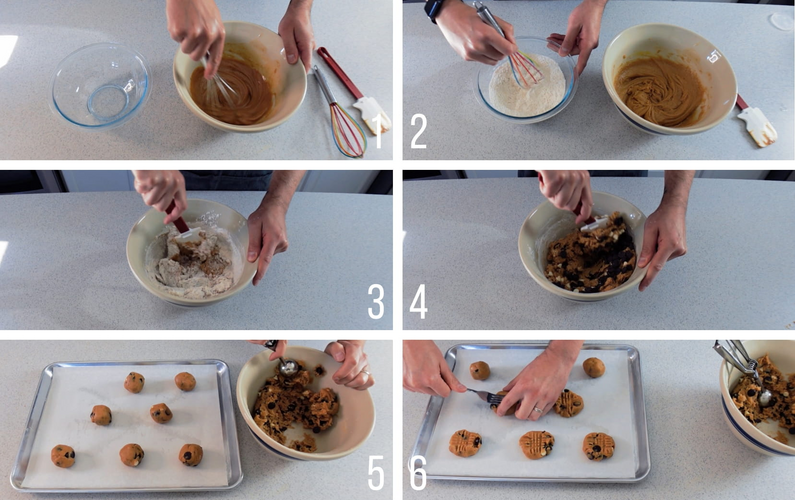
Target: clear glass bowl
x,y
100,86
529,45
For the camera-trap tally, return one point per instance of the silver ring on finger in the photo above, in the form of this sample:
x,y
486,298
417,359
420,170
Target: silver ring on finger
x,y
537,409
366,372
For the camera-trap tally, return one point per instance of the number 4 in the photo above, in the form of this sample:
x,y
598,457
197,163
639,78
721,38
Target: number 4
x,y
421,298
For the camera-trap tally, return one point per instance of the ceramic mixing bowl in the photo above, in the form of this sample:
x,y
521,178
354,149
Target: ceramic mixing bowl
x,y
681,46
145,231
265,50
782,354
352,425
546,224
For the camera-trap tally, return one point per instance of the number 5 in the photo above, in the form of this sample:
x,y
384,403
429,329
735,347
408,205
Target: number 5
x,y
380,472
377,301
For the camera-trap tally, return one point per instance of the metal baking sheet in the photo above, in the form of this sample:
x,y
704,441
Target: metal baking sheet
x,y
614,405
60,415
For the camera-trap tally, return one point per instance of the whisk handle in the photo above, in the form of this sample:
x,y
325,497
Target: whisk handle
x,y
324,54
485,14
321,80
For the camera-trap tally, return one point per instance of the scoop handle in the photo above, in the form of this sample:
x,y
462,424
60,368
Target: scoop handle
x,y
180,222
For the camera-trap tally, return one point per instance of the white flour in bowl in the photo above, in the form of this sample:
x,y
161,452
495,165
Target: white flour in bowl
x,y
506,96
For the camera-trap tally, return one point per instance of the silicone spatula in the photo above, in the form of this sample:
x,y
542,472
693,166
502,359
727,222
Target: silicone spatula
x,y
757,124
187,235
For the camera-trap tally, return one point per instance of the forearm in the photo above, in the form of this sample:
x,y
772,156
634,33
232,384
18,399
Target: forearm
x,y
677,187
566,350
282,187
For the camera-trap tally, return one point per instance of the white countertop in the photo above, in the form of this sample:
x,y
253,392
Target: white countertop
x,y
461,242
693,453
439,84
357,33
65,266
264,475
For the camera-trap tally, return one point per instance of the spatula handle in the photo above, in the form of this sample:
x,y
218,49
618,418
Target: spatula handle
x,y
324,54
180,222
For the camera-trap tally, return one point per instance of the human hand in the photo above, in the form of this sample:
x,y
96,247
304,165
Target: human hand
x,y
295,29
538,385
470,37
354,370
159,188
278,352
568,189
582,33
267,235
664,238
425,370
196,25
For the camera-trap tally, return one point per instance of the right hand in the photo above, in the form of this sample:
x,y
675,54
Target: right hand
x,y
278,352
470,37
567,189
159,188
425,370
196,25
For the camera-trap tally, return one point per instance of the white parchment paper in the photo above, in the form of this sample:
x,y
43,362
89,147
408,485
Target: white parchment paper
x,y
65,420
607,409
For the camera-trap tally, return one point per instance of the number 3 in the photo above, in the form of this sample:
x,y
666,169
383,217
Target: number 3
x,y
377,301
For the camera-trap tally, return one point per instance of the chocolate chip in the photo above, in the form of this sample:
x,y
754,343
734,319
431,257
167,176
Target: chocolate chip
x,y
315,429
187,455
757,421
476,442
792,430
291,407
768,379
71,454
751,393
271,405
597,448
92,414
168,412
157,413
565,390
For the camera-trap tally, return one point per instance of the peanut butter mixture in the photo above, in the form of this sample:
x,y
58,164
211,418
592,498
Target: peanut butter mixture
x,y
251,95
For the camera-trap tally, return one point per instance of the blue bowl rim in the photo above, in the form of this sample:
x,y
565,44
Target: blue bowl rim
x,y
750,438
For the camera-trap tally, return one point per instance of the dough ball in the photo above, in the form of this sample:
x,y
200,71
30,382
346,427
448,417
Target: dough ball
x,y
510,411
569,404
598,446
134,382
594,367
465,444
185,381
479,370
191,455
161,413
100,415
131,455
63,456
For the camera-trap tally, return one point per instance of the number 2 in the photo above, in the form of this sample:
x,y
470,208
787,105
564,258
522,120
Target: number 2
x,y
424,120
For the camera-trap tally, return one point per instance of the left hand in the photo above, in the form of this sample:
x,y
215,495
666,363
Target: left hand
x,y
295,29
664,238
354,372
267,235
582,33
538,385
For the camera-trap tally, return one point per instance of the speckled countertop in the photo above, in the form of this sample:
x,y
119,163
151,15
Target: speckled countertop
x,y
65,266
439,84
264,475
461,241
693,453
165,129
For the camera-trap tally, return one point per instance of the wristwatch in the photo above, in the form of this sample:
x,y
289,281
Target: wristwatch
x,y
432,8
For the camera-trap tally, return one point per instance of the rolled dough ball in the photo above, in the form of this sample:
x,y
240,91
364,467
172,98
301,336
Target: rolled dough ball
x,y
131,455
510,411
100,415
63,456
134,382
594,367
185,381
479,370
191,455
160,413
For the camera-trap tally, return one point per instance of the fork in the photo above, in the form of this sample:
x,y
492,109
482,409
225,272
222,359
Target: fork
x,y
488,397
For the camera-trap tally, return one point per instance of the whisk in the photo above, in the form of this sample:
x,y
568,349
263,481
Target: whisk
x,y
223,87
524,69
348,135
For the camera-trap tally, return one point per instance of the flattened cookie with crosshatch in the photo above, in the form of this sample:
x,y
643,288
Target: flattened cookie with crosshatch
x,y
536,444
568,404
465,443
510,411
598,446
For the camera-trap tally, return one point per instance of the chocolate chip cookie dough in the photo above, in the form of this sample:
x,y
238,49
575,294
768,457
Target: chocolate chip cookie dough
x,y
101,415
510,411
131,455
479,370
598,446
465,444
593,261
185,381
161,413
782,404
191,455
569,404
63,456
593,367
536,444
283,401
134,382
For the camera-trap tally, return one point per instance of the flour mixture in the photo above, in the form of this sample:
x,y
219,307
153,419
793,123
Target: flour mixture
x,y
506,96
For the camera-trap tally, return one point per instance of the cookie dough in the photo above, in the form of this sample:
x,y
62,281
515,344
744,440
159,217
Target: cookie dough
x,y
782,404
100,415
465,444
319,371
592,261
131,455
593,367
568,404
479,370
191,455
598,446
536,444
510,411
661,91
283,401
63,456
161,413
134,382
185,381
